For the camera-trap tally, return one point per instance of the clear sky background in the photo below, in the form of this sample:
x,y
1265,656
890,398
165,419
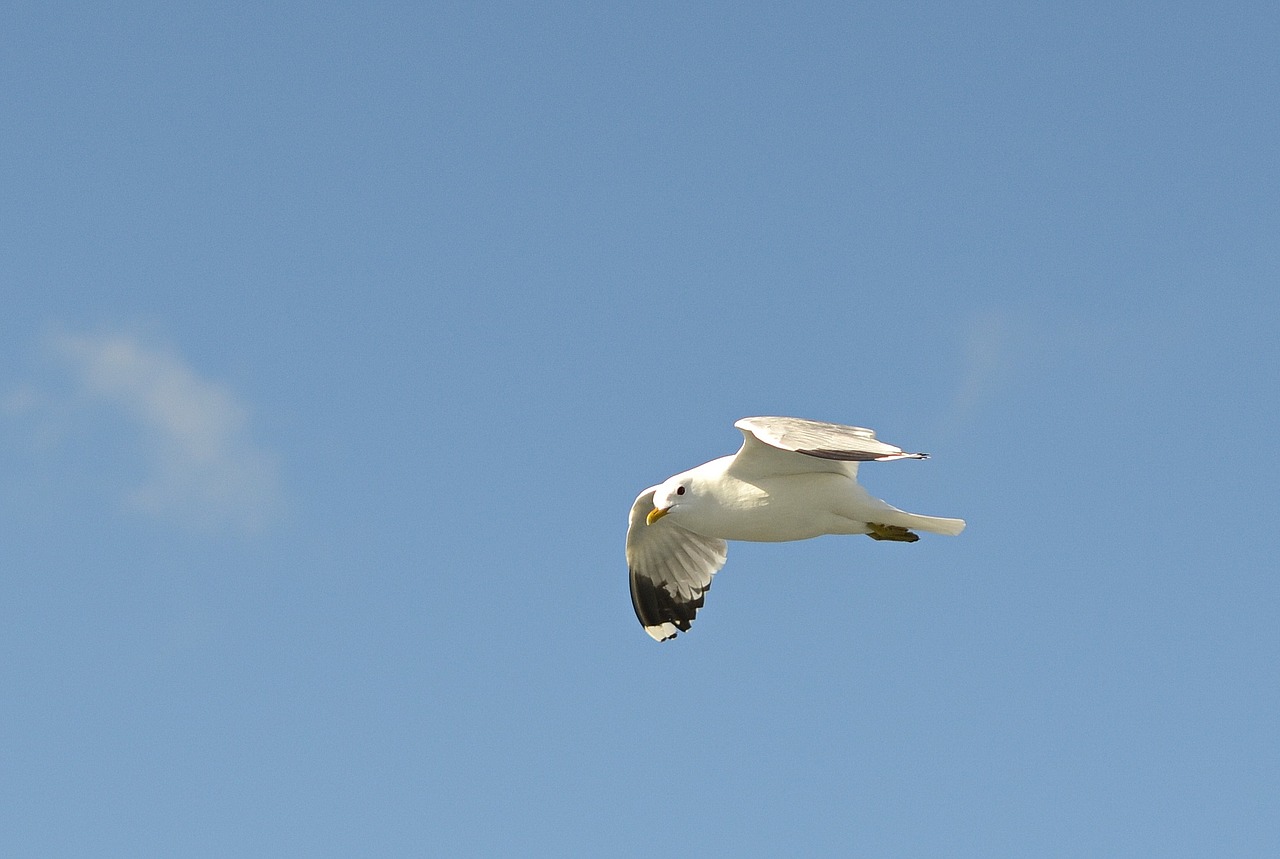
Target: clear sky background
x,y
338,338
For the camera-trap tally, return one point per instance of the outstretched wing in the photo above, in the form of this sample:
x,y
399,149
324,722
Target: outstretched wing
x,y
671,570
776,445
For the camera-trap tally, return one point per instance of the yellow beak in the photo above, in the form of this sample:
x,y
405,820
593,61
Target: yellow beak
x,y
654,515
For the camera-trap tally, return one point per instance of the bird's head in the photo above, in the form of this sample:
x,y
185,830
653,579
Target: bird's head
x,y
673,495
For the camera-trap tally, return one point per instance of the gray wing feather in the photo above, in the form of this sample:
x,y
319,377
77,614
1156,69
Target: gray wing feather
x,y
670,569
778,445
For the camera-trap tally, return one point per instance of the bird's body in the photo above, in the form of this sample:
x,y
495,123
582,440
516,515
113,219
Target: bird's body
x,y
784,507
793,479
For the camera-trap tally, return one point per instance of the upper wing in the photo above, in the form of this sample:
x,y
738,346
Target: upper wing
x,y
774,445
671,570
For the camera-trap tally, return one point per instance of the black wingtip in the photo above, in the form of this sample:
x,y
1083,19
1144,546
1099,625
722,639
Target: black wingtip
x,y
656,605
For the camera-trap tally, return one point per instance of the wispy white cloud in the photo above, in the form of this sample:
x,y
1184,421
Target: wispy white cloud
x,y
204,469
990,344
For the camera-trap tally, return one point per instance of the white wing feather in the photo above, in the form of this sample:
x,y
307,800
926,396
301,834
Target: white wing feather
x,y
778,445
671,570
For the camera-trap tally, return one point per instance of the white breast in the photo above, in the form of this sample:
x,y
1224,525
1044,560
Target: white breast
x,y
777,509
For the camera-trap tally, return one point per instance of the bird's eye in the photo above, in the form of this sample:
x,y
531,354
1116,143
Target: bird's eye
x,y
679,490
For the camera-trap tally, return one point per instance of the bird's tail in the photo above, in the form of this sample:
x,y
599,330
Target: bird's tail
x,y
932,524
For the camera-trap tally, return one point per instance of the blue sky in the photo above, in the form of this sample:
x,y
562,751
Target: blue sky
x,y
338,339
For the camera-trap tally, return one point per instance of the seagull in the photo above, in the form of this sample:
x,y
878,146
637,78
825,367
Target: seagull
x,y
793,479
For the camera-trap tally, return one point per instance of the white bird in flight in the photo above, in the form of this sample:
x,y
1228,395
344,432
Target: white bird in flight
x,y
792,479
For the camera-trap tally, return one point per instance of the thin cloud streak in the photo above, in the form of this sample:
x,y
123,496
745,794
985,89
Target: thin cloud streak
x,y
205,470
986,362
